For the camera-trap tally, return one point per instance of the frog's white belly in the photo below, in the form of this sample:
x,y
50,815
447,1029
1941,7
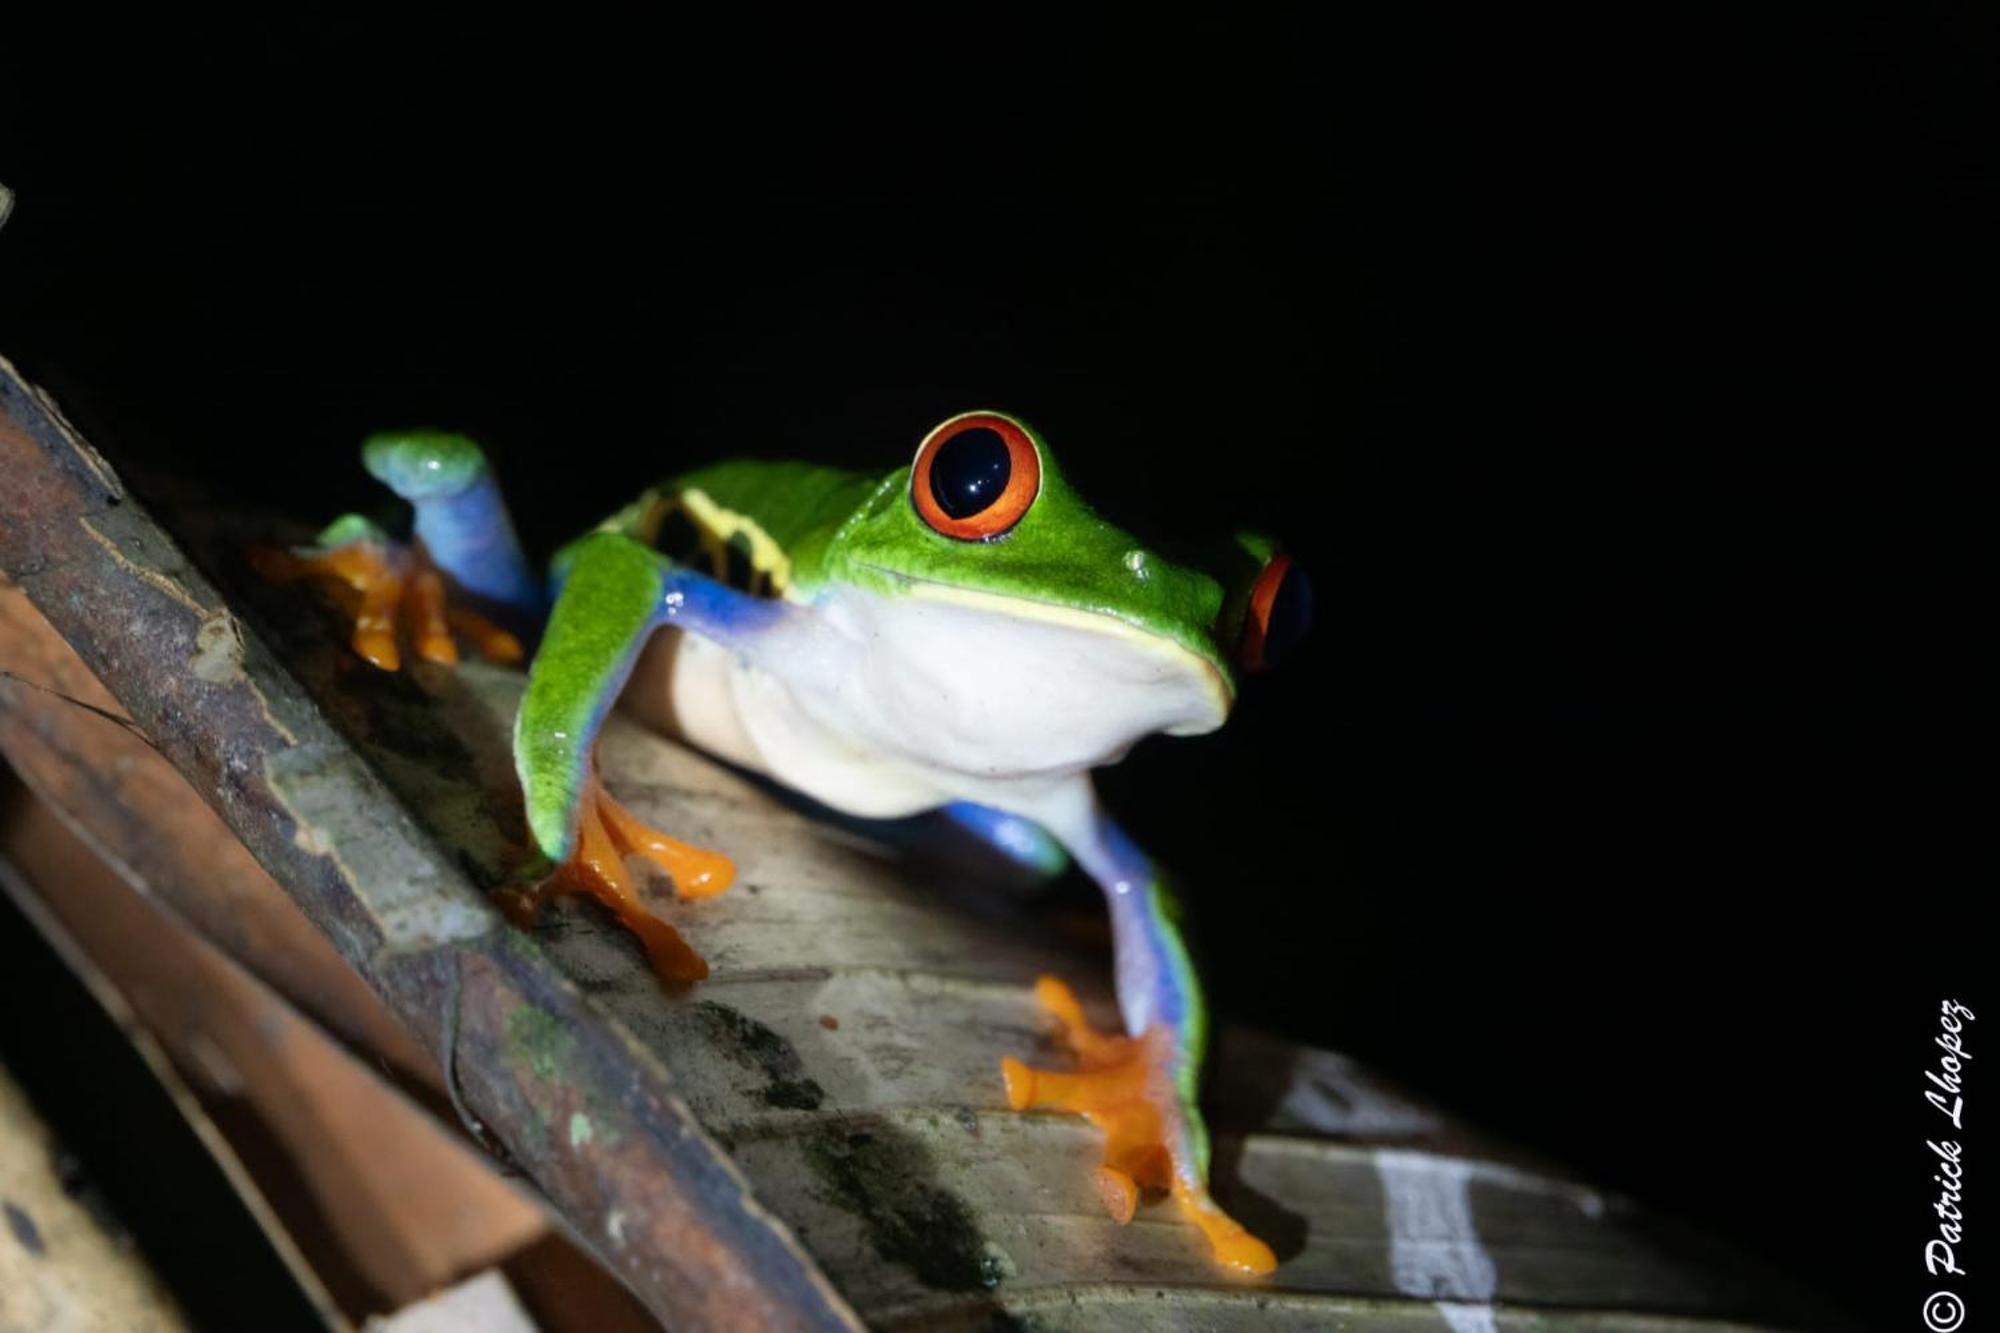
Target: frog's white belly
x,y
901,704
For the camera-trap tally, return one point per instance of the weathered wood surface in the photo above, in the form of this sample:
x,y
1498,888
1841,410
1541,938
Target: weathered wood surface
x,y
398,906
846,1050
61,1270
159,1133
384,1202
387,1202
817,1134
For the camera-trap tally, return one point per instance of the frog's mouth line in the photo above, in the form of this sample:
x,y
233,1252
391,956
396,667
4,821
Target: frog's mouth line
x,y
1070,617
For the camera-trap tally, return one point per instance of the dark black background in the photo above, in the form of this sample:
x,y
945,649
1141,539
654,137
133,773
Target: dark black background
x,y
1614,368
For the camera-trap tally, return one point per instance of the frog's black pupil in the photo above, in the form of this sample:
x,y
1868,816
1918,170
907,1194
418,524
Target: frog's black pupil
x,y
969,471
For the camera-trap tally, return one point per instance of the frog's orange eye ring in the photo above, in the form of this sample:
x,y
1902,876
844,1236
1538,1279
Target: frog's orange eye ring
x,y
975,476
1279,613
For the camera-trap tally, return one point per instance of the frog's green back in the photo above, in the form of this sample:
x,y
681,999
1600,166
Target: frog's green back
x,y
761,527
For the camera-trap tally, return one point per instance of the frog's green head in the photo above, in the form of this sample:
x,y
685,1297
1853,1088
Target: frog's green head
x,y
984,518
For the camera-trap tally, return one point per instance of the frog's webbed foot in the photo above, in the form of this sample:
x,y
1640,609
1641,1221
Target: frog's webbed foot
x,y
384,586
1127,1087
606,834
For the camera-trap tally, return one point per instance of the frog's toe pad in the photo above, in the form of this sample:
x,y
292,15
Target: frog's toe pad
x,y
1126,1086
382,584
1119,1191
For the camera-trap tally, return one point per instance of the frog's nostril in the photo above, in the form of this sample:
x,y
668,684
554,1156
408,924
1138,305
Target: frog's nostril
x,y
1278,617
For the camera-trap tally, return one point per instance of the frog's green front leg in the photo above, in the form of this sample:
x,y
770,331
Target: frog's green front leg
x,y
615,593
1141,1088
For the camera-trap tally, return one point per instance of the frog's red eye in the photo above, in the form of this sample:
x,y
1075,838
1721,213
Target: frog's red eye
x,y
975,476
1279,614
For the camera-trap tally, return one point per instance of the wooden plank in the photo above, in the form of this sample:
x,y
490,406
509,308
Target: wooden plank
x,y
482,1304
187,894
67,738
842,1061
158,1155
61,1271
219,706
1148,1310
387,1204
884,1140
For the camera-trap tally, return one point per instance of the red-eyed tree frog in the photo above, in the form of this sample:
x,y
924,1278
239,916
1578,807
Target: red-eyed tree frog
x,y
964,634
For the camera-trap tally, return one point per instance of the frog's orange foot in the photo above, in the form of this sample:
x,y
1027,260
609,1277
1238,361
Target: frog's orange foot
x,y
606,834
1127,1087
380,583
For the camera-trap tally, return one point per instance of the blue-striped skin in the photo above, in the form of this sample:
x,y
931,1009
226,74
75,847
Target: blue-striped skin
x,y
1163,988
460,518
614,595
1157,982
1040,648
1021,841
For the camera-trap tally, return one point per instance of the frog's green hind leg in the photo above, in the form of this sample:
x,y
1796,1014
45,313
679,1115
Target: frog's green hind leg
x,y
615,593
1140,1089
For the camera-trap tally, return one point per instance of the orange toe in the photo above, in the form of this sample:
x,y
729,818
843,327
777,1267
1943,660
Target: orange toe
x,y
696,871
423,613
1119,1192
1126,1086
1019,1081
606,834
368,584
488,639
391,592
1234,1247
